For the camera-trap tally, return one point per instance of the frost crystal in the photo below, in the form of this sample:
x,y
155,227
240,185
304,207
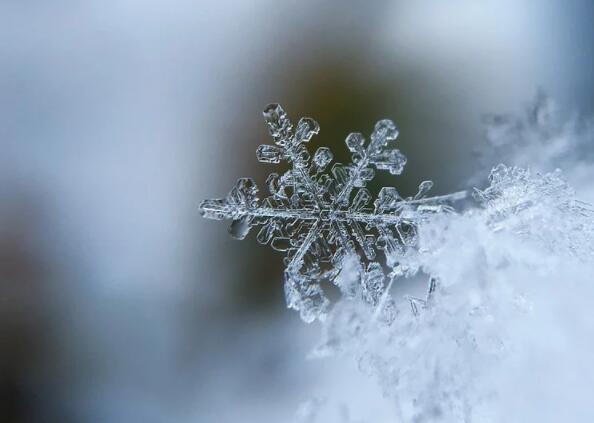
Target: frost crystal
x,y
320,218
541,207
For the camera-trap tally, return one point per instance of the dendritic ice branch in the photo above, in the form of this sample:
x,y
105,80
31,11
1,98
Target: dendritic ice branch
x,y
319,218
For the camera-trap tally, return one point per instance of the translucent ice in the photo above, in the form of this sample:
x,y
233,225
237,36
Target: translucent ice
x,y
318,218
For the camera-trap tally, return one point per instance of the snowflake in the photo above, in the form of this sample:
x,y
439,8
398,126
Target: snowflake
x,y
319,218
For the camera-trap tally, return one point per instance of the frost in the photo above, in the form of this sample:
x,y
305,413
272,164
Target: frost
x,y
498,272
536,206
319,217
542,138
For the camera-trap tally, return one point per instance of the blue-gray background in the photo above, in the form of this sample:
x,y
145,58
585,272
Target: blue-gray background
x,y
117,301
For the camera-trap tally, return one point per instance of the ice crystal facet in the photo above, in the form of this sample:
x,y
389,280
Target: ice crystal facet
x,y
318,218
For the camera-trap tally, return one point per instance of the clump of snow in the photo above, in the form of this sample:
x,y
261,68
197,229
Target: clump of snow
x,y
504,336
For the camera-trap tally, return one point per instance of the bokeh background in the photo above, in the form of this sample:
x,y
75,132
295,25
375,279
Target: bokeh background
x,y
118,303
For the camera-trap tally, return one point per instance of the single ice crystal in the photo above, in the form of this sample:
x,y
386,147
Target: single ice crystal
x,y
318,219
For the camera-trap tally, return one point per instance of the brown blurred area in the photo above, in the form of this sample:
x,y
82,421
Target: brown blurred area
x,y
117,302
24,315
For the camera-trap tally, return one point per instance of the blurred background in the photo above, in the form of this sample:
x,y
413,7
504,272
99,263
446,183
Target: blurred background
x,y
118,303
